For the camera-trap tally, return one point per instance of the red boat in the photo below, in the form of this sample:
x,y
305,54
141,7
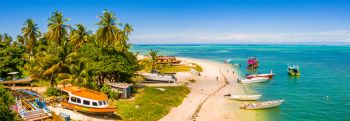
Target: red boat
x,y
269,75
253,62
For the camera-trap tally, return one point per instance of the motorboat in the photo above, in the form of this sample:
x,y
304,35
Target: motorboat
x,y
86,100
293,70
158,77
269,75
261,105
244,97
254,80
253,62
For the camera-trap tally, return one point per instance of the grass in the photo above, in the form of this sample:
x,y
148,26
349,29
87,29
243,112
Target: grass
x,y
151,104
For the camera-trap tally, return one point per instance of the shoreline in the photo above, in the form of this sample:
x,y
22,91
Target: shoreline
x,y
206,101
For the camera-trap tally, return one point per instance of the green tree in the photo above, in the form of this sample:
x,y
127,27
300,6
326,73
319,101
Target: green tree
x,y
6,101
107,30
152,54
79,36
57,29
30,32
10,58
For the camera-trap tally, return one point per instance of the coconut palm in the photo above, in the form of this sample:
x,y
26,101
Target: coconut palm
x,y
79,36
153,56
7,39
20,40
57,30
30,32
107,29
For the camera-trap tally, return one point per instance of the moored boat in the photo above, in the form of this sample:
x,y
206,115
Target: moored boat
x,y
158,77
254,80
293,70
269,75
244,97
253,62
87,101
262,105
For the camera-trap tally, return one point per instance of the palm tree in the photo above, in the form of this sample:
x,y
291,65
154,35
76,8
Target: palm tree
x,y
7,39
128,29
79,36
153,56
107,29
57,30
30,32
1,37
20,40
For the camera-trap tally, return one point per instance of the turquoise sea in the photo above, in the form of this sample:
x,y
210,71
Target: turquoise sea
x,y
321,93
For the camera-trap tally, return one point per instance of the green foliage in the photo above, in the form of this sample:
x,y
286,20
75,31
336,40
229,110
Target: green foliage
x,y
153,56
114,95
6,101
10,58
151,104
51,91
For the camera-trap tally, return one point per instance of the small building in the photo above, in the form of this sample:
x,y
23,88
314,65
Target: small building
x,y
124,89
167,59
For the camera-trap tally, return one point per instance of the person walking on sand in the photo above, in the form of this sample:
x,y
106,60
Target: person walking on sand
x,y
217,78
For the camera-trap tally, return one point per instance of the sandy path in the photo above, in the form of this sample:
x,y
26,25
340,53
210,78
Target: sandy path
x,y
205,101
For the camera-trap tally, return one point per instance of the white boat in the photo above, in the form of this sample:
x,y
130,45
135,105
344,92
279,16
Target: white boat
x,y
244,97
262,105
254,80
158,77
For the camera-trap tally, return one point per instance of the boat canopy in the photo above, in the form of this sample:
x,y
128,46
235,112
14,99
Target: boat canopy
x,y
86,93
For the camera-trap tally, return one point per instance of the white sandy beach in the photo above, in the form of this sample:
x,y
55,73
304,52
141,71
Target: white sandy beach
x,y
205,101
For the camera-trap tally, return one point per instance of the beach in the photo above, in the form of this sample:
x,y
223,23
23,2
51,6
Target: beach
x,y
206,101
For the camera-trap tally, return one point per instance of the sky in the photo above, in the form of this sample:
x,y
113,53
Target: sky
x,y
197,21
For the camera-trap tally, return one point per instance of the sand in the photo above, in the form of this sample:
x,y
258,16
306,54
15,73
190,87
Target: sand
x,y
205,101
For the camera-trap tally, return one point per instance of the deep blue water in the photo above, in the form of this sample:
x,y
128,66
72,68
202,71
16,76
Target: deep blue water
x,y
325,72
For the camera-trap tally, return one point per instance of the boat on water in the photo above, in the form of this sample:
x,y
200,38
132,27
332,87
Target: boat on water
x,y
253,62
244,97
261,105
293,70
86,100
254,80
158,77
269,75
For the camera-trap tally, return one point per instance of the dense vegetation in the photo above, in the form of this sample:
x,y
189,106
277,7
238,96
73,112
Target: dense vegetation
x,y
71,54
5,101
151,103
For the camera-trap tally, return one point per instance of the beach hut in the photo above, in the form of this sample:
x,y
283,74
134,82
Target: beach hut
x,y
167,59
124,89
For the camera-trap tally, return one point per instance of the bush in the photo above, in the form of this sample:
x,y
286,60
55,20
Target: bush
x,y
52,92
114,95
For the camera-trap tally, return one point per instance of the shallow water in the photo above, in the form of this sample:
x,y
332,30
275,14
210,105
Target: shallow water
x,y
322,92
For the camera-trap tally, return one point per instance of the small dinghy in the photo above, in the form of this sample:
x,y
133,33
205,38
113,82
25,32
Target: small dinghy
x,y
262,105
158,77
254,80
244,97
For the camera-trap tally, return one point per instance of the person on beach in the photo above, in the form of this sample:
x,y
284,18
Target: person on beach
x,y
233,72
217,78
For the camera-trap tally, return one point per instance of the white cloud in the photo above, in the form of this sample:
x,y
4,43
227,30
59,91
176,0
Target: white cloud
x,y
342,36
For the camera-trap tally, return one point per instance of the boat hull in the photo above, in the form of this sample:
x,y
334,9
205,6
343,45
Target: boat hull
x,y
262,105
255,80
90,110
244,97
150,77
260,75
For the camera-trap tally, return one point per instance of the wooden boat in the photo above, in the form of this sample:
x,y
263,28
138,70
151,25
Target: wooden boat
x,y
253,62
244,97
269,75
87,101
262,105
254,80
293,70
158,77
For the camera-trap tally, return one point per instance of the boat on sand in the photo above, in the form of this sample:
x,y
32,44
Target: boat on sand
x,y
254,80
269,75
244,97
261,105
158,77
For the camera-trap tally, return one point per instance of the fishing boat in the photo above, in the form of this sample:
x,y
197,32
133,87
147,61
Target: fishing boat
x,y
253,62
269,75
262,105
254,80
293,70
244,97
158,77
86,100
